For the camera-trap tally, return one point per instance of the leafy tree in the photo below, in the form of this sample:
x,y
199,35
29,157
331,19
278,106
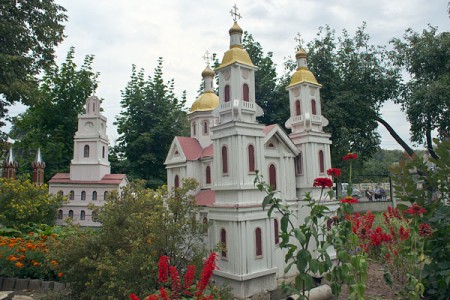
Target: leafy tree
x,y
426,96
151,116
51,122
29,31
137,228
266,84
23,203
357,79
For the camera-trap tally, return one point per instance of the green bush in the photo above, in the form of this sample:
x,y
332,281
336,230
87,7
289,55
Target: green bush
x,y
138,227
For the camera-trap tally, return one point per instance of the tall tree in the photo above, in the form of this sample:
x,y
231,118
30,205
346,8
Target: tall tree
x,y
267,93
29,31
151,116
51,122
425,98
357,79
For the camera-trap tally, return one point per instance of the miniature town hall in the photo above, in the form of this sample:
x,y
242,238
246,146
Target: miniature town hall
x,y
227,146
90,178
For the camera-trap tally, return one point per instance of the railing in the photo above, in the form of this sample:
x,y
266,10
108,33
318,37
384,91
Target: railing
x,y
297,119
248,105
316,119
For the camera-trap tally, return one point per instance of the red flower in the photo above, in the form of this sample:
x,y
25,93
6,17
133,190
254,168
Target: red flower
x,y
335,172
189,279
349,199
404,233
208,269
164,294
323,182
152,297
350,156
176,284
416,209
163,266
425,229
133,297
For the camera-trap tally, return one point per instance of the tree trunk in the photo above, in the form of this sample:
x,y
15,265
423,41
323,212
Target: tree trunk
x,y
396,137
430,142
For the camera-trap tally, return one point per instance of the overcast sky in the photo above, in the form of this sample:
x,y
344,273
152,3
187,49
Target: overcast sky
x,y
121,33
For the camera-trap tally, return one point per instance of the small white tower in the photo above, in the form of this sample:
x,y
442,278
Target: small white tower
x,y
237,82
90,152
200,115
306,123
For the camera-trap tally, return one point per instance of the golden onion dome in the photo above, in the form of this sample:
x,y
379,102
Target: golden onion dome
x,y
206,101
303,75
208,72
301,53
235,29
235,54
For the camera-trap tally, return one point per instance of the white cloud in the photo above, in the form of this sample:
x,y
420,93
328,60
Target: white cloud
x,y
122,33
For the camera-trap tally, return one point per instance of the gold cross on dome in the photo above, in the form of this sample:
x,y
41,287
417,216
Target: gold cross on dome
x,y
207,57
236,16
299,40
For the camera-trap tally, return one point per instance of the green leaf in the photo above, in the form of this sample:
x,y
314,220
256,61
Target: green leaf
x,y
284,223
401,206
300,236
267,200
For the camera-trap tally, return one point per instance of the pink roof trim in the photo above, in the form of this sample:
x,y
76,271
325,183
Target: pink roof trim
x,y
191,147
205,198
114,179
268,128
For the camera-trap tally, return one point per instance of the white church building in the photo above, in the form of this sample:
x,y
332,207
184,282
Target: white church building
x,y
90,178
227,146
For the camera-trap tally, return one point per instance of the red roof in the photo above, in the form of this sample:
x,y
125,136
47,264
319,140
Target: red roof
x,y
208,151
205,198
115,179
191,147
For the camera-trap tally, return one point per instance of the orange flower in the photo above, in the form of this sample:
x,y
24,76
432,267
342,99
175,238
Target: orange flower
x,y
54,262
31,246
12,258
54,235
60,274
35,264
19,264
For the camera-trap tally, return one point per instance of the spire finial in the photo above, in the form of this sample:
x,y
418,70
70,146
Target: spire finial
x,y
299,40
236,16
207,57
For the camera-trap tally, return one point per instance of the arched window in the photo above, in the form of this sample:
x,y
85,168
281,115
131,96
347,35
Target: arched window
x,y
86,150
176,181
71,214
194,132
82,215
227,93
60,214
298,111
223,241
94,216
273,177
251,158
94,195
313,107
71,195
224,160
105,195
258,242
276,230
103,152
299,164
205,127
83,195
321,162
208,174
245,92
93,107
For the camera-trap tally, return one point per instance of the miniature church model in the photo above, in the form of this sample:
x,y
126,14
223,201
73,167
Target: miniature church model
x,y
227,146
90,178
